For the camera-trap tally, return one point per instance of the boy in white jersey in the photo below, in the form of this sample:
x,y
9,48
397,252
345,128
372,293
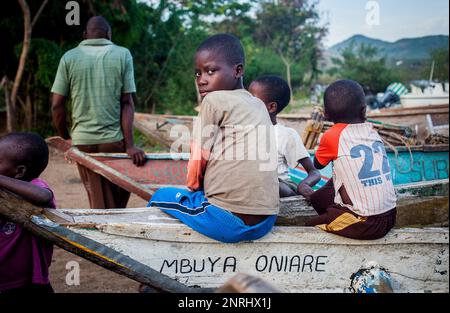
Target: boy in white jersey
x,y
360,201
276,94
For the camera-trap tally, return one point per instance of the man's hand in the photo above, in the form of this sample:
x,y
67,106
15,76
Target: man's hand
x,y
305,190
137,155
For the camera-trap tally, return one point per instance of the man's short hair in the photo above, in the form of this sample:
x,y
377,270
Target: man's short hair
x,y
28,149
344,99
227,45
98,25
276,89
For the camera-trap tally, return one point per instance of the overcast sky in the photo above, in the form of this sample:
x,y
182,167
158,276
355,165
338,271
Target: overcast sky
x,y
397,19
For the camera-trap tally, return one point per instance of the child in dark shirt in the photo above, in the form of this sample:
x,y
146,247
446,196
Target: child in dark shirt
x,y
24,258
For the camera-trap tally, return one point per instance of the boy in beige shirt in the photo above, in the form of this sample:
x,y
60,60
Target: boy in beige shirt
x,y
232,178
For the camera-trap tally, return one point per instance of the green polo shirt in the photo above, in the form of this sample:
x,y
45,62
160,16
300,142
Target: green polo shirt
x,y
95,74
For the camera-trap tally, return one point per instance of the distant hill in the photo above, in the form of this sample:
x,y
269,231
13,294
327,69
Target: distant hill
x,y
403,49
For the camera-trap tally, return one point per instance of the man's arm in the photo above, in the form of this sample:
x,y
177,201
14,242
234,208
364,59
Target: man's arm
x,y
126,121
59,115
30,192
304,188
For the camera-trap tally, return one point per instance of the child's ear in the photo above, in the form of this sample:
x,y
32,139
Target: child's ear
x,y
326,116
20,171
363,113
272,107
239,71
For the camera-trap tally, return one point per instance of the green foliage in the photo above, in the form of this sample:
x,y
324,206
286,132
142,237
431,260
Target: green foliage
x,y
441,59
42,62
291,29
364,65
162,37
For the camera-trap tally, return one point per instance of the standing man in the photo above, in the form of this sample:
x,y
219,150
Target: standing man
x,y
99,77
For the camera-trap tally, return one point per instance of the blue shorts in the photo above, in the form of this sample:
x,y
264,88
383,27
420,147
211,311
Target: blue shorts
x,y
194,210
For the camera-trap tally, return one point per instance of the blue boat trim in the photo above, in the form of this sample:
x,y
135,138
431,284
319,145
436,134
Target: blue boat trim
x,y
406,168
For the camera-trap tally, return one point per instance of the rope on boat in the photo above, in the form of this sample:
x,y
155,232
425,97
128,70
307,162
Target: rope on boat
x,y
395,150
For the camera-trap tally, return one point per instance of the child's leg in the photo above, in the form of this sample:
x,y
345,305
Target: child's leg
x,y
287,187
286,190
194,210
323,198
343,222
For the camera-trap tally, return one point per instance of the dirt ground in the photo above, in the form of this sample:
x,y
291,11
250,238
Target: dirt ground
x,y
64,180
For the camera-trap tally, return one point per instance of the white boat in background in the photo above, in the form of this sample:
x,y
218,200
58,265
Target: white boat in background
x,y
432,95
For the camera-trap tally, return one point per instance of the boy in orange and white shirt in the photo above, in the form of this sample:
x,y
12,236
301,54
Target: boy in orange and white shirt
x,y
359,201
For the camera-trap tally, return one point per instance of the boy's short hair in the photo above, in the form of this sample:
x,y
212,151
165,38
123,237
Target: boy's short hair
x,y
227,45
276,89
344,99
28,149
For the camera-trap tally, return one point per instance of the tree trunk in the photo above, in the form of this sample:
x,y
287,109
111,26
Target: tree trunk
x,y
288,74
12,122
11,101
28,113
10,112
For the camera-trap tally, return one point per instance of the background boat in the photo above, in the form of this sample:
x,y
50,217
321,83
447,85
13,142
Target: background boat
x,y
429,201
174,131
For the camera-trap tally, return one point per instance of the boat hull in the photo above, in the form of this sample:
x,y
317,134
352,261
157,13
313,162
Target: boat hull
x,y
414,101
293,259
422,164
407,166
169,129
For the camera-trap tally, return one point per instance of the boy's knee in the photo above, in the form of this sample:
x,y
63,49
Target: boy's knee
x,y
165,194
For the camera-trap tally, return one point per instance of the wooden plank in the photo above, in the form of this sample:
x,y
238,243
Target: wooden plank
x,y
36,220
153,134
111,174
392,112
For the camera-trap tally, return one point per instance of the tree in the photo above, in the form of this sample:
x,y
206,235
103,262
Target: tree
x,y
365,65
36,71
291,28
11,98
441,59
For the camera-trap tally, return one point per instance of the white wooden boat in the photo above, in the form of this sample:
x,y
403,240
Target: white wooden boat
x,y
293,259
433,95
151,247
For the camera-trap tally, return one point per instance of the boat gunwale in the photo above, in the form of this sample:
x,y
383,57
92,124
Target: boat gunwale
x,y
180,233
175,156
